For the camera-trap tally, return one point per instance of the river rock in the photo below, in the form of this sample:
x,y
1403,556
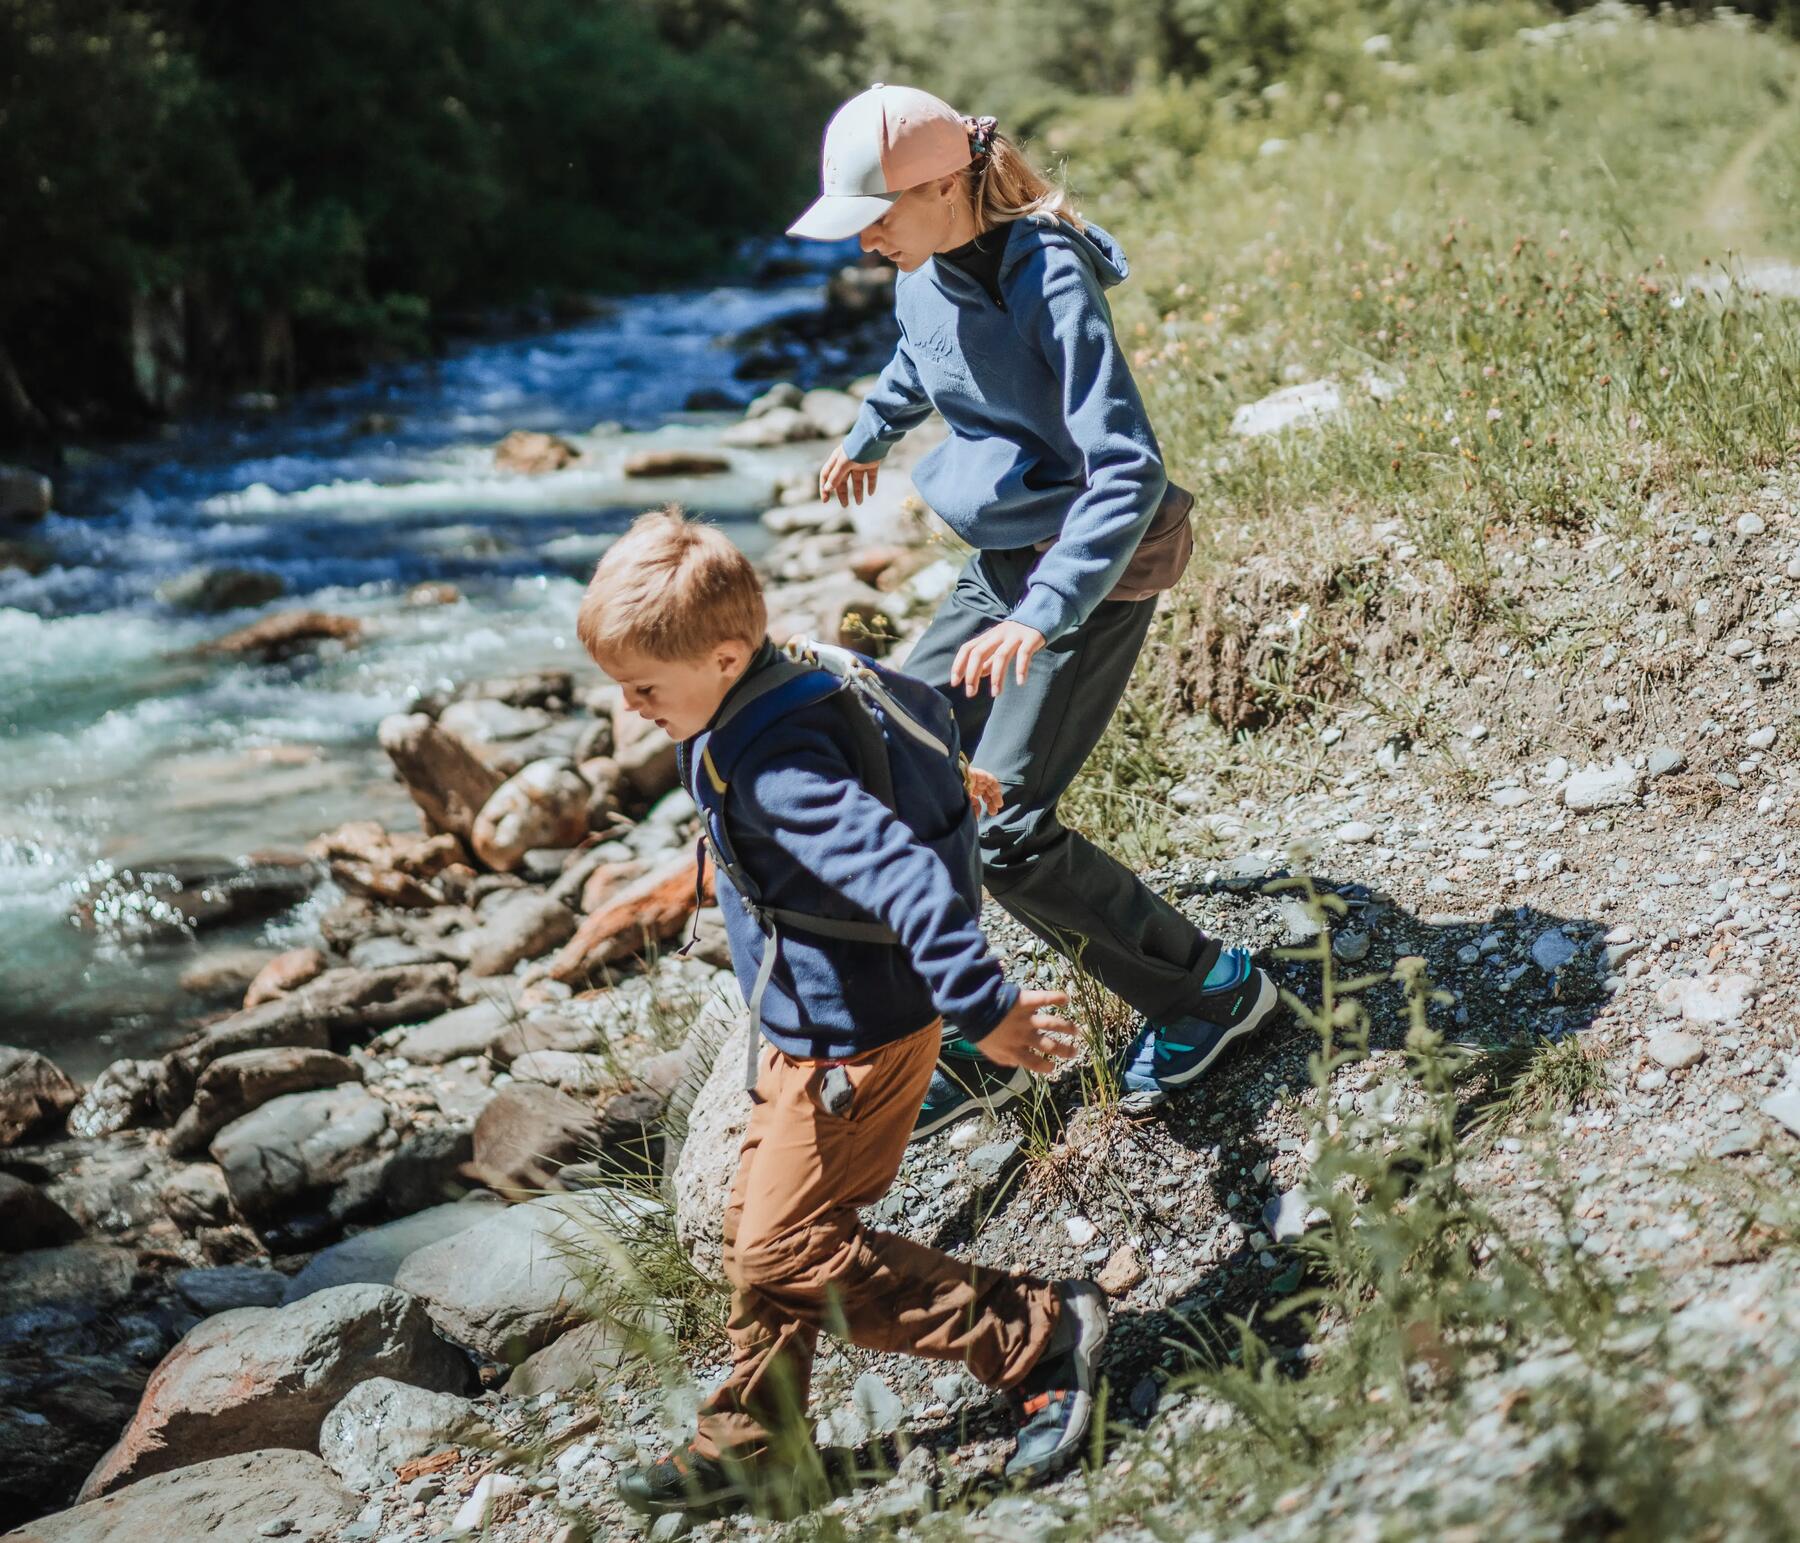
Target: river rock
x,y
507,1285
225,974
229,1287
386,886
123,1095
650,910
709,1152
778,426
1708,999
450,1036
31,1219
527,1134
549,687
670,462
375,1256
340,1004
34,1095
783,393
195,1195
233,1085
832,413
544,1030
529,924
447,780
24,494
572,1071
83,1275
218,588
645,756
284,973
268,1376
545,805
482,721
575,1361
296,1146
532,453
178,895
1602,787
275,1493
381,1423
285,633
423,1168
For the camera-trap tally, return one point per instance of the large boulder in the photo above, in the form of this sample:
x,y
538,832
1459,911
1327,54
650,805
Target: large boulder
x,y
34,1095
508,1285
651,910
268,1376
524,926
31,1219
569,1364
425,1167
545,805
527,1133
709,1152
447,780
381,1423
375,1256
88,1276
294,1148
275,1493
233,1085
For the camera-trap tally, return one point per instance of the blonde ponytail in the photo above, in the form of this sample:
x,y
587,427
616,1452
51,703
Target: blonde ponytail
x,y
1003,185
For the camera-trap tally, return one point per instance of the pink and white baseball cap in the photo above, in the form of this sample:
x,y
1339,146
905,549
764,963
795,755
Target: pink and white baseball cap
x,y
877,145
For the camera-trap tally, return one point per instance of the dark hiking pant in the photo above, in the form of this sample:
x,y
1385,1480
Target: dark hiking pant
x,y
1034,739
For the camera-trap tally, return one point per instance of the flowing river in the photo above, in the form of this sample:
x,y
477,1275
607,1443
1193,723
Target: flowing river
x,y
120,744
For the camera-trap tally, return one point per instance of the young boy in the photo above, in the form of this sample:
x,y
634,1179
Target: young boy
x,y
852,1026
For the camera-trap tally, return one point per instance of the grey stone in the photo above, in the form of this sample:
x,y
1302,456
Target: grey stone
x,y
83,1274
230,1286
1665,761
216,588
1599,787
1552,949
529,924
1784,1106
1736,1142
1675,1049
570,1363
1285,1216
381,1423
31,1219
374,1257
708,1159
233,1085
450,1036
122,1096
297,1146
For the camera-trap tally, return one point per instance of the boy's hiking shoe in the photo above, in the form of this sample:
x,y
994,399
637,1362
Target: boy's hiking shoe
x,y
964,1083
1057,1395
1165,1057
682,1481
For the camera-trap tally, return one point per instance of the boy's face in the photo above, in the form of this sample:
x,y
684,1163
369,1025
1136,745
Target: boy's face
x,y
678,695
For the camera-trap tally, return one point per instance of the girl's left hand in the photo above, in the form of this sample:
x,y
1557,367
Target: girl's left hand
x,y
987,657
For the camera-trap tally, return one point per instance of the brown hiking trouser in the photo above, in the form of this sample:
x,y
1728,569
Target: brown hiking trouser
x,y
799,1258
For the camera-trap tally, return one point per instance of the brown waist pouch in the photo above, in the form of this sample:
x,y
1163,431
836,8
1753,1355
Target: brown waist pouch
x,y
1163,552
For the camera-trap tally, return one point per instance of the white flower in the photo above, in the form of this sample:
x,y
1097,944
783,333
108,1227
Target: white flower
x,y
1676,302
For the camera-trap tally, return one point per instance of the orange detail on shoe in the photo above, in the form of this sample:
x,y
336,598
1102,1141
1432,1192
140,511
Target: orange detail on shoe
x,y
1038,1403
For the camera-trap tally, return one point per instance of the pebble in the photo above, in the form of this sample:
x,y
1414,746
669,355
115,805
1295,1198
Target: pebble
x,y
1664,761
1675,1048
1509,798
1738,647
1552,949
1081,1231
1750,524
1762,738
1285,1215
1356,831
1783,1106
1736,1142
1652,1081
1350,947
1601,787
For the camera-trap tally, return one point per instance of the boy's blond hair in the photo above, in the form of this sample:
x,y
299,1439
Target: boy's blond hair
x,y
671,588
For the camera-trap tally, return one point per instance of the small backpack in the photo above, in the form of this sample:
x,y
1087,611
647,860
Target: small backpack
x,y
809,672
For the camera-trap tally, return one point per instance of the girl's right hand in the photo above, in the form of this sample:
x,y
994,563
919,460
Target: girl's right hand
x,y
840,477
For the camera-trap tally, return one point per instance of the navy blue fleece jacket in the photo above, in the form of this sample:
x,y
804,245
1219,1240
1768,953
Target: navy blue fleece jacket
x,y
1048,436
812,839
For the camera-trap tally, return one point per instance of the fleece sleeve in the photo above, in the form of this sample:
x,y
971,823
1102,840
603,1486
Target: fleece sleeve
x,y
808,802
897,403
1059,306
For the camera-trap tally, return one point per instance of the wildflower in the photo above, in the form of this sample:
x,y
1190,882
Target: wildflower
x,y
1494,415
1676,302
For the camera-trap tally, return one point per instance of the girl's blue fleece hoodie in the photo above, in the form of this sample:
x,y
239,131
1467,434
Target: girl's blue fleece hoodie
x,y
1048,436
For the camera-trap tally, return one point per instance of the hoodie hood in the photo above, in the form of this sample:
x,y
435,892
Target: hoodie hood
x,y
1095,245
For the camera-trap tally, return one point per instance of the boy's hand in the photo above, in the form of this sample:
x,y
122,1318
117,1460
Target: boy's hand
x,y
987,657
984,791
840,476
1029,1037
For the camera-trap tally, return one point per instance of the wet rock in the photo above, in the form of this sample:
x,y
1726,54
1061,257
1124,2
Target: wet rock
x,y
648,911
24,494
526,1134
374,1257
34,1095
113,1188
338,1004
284,633
228,1498
284,973
171,896
1708,999
228,1288
381,1423
31,1219
450,1036
295,1147
1601,787
545,805
122,1096
86,1275
234,1085
269,1376
446,779
675,463
507,1285
218,588
527,925
385,886
708,1160
225,974
531,453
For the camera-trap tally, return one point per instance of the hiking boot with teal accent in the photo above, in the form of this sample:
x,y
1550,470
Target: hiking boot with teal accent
x,y
1165,1058
963,1083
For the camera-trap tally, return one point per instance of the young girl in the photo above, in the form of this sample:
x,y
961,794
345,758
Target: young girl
x,y
1052,473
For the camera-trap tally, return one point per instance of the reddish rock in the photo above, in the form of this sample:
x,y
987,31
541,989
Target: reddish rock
x,y
545,805
368,843
869,564
651,910
533,454
275,637
284,973
386,886
34,1095
609,881
447,780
